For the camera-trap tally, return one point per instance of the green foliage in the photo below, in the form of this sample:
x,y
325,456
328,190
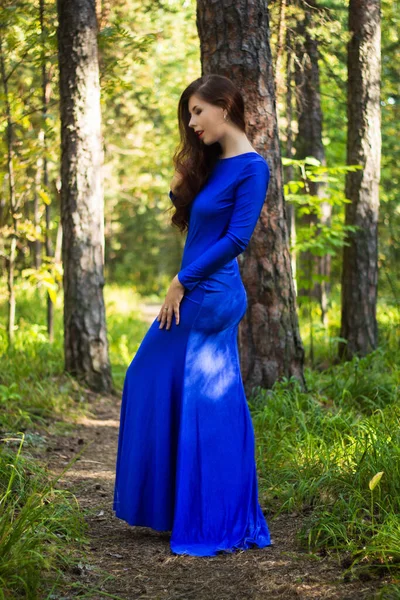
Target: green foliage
x,y
330,29
33,385
141,76
47,276
40,525
318,238
148,53
333,453
140,93
126,328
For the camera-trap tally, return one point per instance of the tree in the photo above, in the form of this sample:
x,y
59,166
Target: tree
x,y
15,202
309,143
82,210
269,337
360,257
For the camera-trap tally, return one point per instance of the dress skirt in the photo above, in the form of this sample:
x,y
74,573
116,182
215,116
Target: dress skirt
x,y
186,447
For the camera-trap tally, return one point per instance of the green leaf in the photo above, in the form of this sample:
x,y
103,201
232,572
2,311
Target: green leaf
x,y
45,197
311,160
375,480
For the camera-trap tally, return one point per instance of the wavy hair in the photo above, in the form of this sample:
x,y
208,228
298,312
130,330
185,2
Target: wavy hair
x,y
193,160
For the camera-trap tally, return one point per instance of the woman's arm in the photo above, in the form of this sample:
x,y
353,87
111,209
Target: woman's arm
x,y
249,199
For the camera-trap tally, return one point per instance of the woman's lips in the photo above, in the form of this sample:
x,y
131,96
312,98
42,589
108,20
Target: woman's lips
x,y
199,133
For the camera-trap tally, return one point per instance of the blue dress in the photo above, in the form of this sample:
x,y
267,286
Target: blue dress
x,y
186,452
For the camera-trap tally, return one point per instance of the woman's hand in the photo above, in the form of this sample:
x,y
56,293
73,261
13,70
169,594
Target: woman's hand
x,y
176,180
171,304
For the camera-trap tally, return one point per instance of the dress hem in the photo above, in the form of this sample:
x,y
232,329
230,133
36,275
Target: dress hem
x,y
248,542
207,550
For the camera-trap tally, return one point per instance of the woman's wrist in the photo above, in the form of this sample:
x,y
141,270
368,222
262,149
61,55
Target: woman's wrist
x,y
176,279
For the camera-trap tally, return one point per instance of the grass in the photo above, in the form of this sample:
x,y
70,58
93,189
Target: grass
x,y
317,451
40,525
42,529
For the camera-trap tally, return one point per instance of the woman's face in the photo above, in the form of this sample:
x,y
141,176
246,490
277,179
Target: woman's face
x,y
206,118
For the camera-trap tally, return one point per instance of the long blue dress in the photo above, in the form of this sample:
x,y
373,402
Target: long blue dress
x,y
186,452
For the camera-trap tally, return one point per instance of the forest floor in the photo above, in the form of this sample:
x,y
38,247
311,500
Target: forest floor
x,y
133,563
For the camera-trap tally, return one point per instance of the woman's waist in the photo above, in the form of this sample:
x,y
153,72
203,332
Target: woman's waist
x,y
226,277
230,266
229,269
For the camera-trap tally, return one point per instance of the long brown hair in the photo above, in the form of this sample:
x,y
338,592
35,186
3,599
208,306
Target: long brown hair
x,y
194,160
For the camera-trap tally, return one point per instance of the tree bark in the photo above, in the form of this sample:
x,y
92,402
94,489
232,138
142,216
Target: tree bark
x,y
14,201
281,35
290,212
309,143
46,92
82,202
234,41
360,258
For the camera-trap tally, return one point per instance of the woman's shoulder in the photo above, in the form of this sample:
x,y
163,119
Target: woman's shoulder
x,y
253,164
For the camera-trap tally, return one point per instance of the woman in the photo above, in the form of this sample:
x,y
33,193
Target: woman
x,y
186,460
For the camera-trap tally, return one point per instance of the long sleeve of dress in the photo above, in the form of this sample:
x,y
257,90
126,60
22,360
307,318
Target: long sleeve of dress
x,y
248,201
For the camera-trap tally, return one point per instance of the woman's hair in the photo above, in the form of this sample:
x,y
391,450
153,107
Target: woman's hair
x,y
194,160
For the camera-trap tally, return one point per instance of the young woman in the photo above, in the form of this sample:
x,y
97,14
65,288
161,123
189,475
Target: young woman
x,y
186,456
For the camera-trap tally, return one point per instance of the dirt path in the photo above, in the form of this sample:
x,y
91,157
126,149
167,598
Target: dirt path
x,y
133,563
139,560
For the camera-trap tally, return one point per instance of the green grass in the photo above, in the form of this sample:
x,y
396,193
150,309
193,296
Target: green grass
x,y
34,388
42,529
40,525
317,451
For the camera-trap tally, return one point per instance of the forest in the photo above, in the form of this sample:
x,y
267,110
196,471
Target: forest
x,y
89,91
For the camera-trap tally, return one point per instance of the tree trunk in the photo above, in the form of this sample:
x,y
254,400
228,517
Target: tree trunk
x,y
82,202
279,81
309,143
360,258
14,202
46,91
234,41
37,244
290,212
